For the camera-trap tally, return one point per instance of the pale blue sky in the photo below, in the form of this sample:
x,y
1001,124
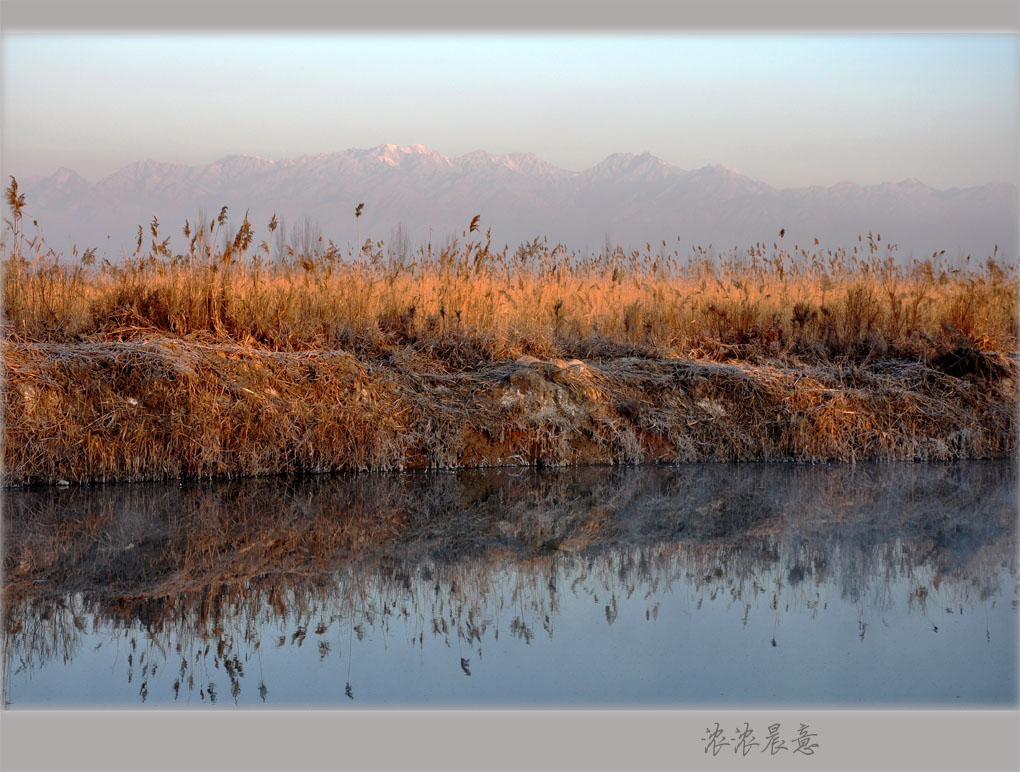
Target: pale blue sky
x,y
788,110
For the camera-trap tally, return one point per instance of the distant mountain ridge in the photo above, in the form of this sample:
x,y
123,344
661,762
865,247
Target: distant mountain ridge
x,y
629,199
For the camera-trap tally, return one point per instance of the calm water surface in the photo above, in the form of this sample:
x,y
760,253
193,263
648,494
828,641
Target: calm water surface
x,y
888,585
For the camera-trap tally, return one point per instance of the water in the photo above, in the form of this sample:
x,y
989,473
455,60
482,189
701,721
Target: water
x,y
890,585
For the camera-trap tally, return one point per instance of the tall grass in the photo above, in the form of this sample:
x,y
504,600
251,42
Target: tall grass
x,y
239,357
473,303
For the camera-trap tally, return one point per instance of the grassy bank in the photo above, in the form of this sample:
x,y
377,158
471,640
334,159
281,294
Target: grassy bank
x,y
164,408
223,361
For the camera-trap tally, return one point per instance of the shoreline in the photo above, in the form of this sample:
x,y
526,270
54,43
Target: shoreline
x,y
162,408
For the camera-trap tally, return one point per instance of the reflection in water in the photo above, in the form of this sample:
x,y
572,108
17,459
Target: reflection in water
x,y
698,585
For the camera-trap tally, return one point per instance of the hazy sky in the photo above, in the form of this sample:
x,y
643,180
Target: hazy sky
x,y
788,110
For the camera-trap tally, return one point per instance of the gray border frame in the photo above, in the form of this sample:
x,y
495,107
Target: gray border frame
x,y
496,739
555,16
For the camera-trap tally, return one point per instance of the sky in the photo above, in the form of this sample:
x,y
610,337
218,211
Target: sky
x,y
790,110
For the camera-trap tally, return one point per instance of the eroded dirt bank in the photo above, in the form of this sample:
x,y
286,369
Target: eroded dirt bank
x,y
167,408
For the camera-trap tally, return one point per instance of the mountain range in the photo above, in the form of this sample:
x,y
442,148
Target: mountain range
x,y
627,199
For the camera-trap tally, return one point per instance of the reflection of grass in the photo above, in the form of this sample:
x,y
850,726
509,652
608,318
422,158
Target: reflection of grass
x,y
455,559
201,636
171,539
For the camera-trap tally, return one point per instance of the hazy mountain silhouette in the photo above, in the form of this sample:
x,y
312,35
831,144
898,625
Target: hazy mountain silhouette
x,y
631,199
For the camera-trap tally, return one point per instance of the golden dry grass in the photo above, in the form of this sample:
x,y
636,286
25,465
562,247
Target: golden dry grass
x,y
160,409
468,303
222,361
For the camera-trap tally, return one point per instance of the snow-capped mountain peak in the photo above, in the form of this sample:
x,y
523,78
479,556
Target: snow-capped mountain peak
x,y
628,197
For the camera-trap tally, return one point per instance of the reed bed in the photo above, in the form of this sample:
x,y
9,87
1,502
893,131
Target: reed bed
x,y
468,302
241,358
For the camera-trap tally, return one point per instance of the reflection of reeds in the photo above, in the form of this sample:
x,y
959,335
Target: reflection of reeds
x,y
454,560
180,538
483,597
